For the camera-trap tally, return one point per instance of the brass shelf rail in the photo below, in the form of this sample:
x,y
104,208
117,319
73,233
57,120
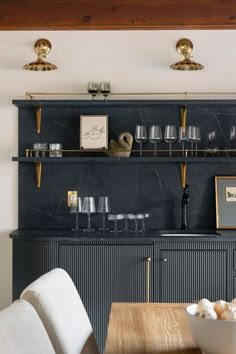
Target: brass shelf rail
x,y
30,95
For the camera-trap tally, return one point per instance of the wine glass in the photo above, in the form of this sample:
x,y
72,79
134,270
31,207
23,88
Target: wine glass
x,y
197,138
93,88
105,88
170,135
191,136
140,136
103,208
76,208
155,136
232,137
182,137
88,207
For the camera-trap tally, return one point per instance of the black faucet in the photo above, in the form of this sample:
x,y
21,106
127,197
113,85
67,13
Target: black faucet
x,y
185,201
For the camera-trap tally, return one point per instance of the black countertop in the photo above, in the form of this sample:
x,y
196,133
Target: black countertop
x,y
148,236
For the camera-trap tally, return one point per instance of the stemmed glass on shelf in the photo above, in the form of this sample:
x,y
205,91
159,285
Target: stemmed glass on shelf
x,y
105,89
140,136
170,136
182,137
88,207
155,136
194,136
93,88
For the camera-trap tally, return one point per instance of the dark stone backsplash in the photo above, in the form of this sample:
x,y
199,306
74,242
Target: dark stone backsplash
x,y
153,187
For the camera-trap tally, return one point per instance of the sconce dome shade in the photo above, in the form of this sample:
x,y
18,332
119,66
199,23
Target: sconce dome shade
x,y
40,65
42,48
187,64
184,47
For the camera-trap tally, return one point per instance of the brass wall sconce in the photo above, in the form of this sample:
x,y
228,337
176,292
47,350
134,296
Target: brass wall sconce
x,y
42,48
184,47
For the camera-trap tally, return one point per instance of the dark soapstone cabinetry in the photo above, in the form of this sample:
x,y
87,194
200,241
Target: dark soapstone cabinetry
x,y
112,270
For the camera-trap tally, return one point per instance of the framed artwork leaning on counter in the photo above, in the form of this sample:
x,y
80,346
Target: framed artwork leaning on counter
x,y
225,196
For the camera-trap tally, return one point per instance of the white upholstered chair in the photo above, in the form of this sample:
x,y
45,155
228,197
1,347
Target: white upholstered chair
x,y
22,332
61,310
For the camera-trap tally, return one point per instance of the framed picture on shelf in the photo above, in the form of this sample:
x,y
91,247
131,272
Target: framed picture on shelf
x,y
94,132
225,191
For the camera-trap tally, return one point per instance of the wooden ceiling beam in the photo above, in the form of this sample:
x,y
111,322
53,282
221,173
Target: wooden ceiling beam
x,y
116,14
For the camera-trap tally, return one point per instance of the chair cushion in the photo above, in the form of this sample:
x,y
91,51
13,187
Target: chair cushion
x,y
22,332
61,310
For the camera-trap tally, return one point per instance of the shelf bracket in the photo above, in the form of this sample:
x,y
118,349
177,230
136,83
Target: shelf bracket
x,y
38,171
183,170
38,111
183,116
183,166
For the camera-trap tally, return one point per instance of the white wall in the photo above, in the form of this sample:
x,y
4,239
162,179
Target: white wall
x,y
133,61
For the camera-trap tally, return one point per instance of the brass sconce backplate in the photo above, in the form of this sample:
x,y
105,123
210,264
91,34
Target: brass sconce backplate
x,y
184,46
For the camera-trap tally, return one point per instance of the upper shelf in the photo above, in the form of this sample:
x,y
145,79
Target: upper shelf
x,y
129,100
132,159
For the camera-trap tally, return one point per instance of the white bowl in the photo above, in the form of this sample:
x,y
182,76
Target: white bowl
x,y
212,336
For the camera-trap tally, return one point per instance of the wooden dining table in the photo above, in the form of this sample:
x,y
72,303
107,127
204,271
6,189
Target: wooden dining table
x,y
149,328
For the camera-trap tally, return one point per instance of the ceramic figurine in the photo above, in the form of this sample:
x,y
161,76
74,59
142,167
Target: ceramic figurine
x,y
122,147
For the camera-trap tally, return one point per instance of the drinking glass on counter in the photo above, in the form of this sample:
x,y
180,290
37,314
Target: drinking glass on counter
x,y
134,217
103,208
88,207
76,208
116,218
155,136
170,136
140,136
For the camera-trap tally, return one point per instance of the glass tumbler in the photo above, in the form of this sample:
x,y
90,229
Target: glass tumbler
x,y
40,148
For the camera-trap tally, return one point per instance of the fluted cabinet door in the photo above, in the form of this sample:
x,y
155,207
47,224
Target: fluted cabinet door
x,y
31,259
189,275
104,274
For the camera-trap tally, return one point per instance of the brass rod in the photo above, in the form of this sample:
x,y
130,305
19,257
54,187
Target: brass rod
x,y
38,111
38,170
183,169
148,150
183,116
148,278
29,95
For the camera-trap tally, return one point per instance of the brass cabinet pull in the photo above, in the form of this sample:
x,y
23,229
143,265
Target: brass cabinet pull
x,y
148,278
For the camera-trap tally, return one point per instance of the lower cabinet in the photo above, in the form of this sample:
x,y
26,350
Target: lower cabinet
x,y
190,275
106,273
117,271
